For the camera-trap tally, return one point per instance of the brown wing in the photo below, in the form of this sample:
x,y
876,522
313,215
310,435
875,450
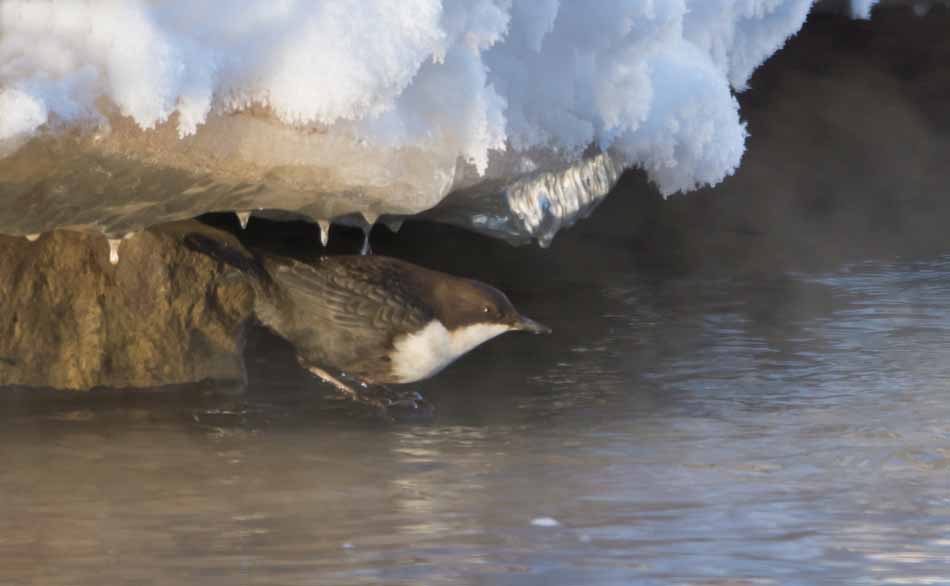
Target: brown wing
x,y
347,310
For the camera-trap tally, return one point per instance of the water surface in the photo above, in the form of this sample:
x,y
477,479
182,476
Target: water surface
x,y
674,430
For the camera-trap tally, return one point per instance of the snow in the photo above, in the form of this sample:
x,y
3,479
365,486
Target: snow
x,y
653,80
20,113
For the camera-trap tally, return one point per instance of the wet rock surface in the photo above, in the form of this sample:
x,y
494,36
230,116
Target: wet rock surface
x,y
127,179
163,315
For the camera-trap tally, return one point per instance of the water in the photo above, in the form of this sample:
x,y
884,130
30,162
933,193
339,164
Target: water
x,y
674,430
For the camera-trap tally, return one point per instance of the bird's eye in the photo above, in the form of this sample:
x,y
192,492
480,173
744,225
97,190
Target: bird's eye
x,y
486,309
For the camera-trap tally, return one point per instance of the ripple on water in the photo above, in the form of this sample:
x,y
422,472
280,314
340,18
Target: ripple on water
x,y
783,431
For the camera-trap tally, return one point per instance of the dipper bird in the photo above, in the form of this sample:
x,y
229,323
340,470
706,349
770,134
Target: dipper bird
x,y
360,320
381,320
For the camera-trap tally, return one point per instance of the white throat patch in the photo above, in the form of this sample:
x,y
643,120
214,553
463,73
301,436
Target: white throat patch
x,y
426,352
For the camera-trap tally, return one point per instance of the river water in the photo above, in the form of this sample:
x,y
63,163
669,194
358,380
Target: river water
x,y
674,430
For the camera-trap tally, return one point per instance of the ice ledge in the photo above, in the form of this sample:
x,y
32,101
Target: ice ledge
x,y
533,206
121,180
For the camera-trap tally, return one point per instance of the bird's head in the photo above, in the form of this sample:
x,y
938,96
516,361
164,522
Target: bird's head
x,y
465,303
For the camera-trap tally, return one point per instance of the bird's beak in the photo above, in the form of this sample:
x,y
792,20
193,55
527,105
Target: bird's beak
x,y
526,324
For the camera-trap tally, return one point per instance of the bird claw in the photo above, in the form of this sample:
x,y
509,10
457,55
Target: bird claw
x,y
394,405
411,408
402,406
412,400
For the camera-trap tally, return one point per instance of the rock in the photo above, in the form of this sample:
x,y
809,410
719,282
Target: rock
x,y
125,179
165,315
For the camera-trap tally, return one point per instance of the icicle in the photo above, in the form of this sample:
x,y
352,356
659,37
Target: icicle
x,y
114,250
366,247
324,227
394,224
33,237
243,218
370,218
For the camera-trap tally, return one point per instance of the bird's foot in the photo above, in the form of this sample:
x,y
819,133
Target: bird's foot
x,y
395,405
407,405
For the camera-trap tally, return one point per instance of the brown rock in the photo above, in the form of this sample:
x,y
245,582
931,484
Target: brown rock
x,y
164,315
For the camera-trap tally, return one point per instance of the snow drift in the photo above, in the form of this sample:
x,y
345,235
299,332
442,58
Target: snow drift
x,y
336,107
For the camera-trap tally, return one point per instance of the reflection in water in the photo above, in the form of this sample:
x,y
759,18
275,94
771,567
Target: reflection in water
x,y
678,430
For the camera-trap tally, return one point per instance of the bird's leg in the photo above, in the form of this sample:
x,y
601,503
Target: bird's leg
x,y
394,404
346,390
